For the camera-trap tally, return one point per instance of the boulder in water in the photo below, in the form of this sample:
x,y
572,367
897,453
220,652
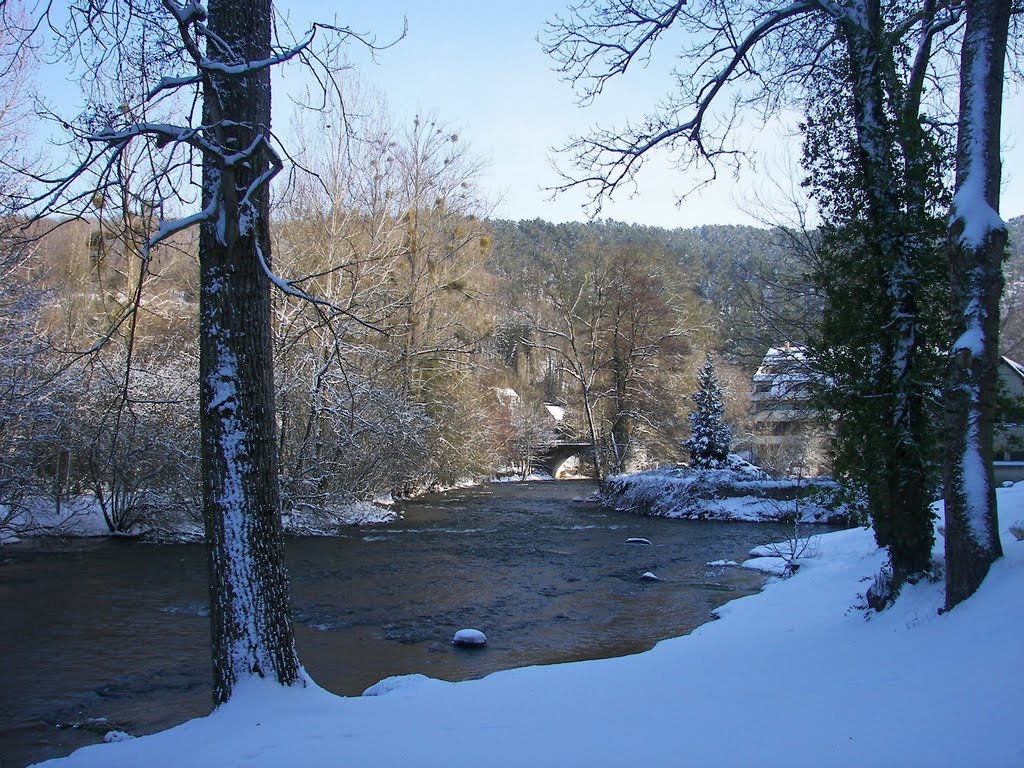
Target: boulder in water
x,y
469,638
638,540
649,576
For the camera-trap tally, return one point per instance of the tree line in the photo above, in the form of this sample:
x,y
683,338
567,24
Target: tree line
x,y
604,319
392,380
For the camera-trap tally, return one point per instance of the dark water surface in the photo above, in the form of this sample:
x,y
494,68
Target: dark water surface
x,y
104,635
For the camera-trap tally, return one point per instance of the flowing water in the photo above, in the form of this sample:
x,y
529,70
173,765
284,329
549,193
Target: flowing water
x,y
100,635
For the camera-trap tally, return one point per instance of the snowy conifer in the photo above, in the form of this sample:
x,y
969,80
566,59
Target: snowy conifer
x,y
709,435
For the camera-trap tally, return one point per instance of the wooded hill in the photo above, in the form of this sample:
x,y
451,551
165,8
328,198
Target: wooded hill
x,y
401,379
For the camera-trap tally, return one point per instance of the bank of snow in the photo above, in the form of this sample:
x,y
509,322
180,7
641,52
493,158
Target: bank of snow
x,y
82,517
798,675
739,492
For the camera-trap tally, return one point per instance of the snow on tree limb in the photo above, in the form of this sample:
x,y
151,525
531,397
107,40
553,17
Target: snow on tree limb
x,y
977,193
103,134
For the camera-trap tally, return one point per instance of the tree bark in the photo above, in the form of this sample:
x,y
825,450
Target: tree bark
x,y
901,515
977,248
588,409
250,616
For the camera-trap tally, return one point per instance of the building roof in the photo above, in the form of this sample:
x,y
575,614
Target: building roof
x,y
1014,366
781,386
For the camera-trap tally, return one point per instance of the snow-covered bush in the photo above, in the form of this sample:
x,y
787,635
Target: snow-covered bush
x,y
132,437
29,414
800,544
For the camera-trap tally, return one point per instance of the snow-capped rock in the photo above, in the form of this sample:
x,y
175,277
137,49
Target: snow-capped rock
x,y
470,638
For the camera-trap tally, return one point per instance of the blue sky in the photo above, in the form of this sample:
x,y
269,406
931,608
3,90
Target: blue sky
x,y
478,67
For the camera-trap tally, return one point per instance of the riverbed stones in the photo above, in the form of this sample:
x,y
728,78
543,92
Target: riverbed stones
x,y
469,638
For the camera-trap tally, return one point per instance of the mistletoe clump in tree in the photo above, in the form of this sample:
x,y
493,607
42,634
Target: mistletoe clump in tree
x,y
710,437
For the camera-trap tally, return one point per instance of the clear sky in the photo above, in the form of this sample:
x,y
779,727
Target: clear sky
x,y
479,66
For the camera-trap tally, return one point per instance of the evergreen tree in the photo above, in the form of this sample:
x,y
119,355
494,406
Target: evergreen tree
x,y
879,179
709,435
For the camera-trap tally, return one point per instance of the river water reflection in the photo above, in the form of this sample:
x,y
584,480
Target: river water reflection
x,y
99,635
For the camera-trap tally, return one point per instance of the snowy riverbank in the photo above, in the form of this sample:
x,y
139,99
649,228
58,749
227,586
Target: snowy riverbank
x,y
741,492
82,516
798,675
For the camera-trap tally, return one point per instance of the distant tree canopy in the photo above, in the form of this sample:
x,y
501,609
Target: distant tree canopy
x,y
742,274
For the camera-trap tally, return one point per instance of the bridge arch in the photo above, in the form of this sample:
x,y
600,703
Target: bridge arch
x,y
551,457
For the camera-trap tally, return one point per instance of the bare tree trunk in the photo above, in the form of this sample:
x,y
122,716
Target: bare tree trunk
x,y
588,409
978,242
250,617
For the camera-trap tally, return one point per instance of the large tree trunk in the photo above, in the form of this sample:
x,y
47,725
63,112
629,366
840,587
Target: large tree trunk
x,y
978,243
250,618
901,515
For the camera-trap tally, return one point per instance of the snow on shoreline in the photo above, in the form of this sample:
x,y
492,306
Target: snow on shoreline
x,y
741,492
801,674
82,517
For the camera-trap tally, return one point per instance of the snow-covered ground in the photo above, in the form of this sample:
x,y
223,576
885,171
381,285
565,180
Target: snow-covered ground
x,y
37,517
82,517
798,675
740,492
514,477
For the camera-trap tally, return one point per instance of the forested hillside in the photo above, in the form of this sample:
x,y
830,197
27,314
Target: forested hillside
x,y
400,372
747,276
1012,330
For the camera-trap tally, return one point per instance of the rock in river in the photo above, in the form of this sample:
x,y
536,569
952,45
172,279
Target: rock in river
x,y
638,540
649,576
470,638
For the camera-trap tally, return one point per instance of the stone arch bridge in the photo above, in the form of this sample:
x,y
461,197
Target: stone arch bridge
x,y
550,457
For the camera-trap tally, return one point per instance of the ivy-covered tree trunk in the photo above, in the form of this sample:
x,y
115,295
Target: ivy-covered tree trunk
x,y
250,619
978,243
900,508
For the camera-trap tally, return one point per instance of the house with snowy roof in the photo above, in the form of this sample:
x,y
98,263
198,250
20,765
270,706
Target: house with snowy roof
x,y
1008,440
788,433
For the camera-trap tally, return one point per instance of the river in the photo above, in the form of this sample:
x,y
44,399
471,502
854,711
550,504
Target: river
x,y
105,634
